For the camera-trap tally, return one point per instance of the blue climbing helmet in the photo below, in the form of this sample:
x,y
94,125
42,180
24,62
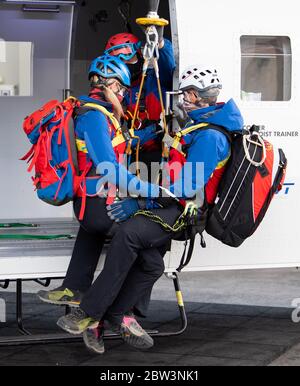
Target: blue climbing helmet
x,y
107,66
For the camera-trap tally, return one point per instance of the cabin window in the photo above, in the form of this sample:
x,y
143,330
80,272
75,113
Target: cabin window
x,y
15,68
266,68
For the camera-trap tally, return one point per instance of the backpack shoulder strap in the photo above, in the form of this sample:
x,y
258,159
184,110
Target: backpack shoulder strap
x,y
73,148
69,105
176,142
190,129
120,137
103,110
201,126
222,130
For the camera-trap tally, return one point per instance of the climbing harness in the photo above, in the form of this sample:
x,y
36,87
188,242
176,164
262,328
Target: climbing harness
x,y
187,224
190,210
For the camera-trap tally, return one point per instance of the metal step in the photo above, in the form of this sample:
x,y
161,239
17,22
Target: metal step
x,y
11,248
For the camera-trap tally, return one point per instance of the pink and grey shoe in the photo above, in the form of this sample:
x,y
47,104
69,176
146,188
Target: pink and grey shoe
x,y
133,334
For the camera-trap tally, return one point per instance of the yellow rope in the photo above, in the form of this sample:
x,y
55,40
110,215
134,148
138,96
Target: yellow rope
x,y
137,151
138,99
165,150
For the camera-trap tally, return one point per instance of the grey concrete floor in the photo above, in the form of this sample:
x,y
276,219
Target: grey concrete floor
x,y
235,318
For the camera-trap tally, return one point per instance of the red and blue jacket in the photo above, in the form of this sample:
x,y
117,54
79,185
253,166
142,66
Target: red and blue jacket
x,y
97,133
167,65
209,147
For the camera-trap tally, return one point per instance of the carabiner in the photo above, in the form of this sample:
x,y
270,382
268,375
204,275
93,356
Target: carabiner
x,y
151,45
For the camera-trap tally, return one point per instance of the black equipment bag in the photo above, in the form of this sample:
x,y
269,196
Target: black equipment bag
x,y
255,172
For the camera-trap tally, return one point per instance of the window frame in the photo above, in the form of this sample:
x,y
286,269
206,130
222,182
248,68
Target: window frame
x,y
287,65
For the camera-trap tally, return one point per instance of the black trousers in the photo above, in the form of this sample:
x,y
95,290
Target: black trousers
x,y
128,273
92,234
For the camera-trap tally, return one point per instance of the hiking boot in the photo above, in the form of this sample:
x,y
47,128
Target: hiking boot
x,y
93,339
133,334
61,296
77,322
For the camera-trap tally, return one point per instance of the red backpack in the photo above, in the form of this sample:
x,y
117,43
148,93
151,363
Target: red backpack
x,y
53,154
255,172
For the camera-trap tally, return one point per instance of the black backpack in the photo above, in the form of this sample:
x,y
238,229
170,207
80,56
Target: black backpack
x,y
254,173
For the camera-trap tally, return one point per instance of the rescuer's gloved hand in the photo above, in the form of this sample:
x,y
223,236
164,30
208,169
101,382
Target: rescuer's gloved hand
x,y
122,210
192,213
181,115
160,32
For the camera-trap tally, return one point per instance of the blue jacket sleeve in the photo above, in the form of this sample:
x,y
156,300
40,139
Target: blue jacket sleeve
x,y
166,64
94,128
206,151
147,134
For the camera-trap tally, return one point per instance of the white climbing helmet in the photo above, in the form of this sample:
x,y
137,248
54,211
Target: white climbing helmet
x,y
202,79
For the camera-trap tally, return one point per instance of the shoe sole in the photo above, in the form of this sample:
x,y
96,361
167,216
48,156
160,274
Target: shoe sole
x,y
59,303
143,342
91,348
66,328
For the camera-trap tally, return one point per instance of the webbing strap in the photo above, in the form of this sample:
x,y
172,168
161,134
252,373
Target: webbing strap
x,y
119,139
185,259
205,126
176,143
193,128
73,149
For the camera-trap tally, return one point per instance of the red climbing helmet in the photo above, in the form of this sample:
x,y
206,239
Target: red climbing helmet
x,y
124,45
